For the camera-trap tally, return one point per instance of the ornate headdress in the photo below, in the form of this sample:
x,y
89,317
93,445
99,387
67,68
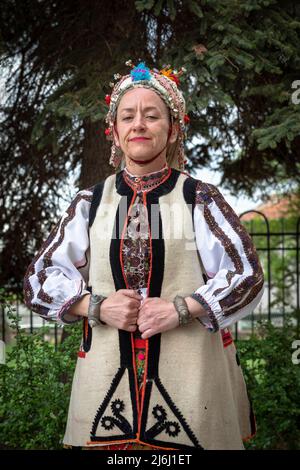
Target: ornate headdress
x,y
165,83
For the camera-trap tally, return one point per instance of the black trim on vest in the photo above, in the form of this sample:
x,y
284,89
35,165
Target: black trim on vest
x,y
96,199
133,399
158,246
189,194
119,281
158,257
147,395
125,344
158,252
87,340
114,252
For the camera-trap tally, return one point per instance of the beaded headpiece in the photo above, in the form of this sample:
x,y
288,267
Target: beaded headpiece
x,y
165,83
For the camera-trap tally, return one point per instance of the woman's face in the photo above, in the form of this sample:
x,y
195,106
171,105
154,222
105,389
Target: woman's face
x,y
142,124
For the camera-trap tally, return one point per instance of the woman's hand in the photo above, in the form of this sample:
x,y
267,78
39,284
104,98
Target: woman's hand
x,y
120,309
155,316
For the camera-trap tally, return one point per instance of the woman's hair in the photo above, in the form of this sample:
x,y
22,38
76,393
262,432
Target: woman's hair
x,y
172,159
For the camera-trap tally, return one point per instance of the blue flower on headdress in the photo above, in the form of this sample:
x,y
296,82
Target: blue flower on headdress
x,y
140,72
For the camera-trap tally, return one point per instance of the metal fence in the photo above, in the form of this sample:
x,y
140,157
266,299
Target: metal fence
x,y
279,254
278,251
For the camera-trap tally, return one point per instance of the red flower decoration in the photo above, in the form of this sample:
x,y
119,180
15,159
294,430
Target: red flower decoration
x,y
186,119
107,131
107,100
174,78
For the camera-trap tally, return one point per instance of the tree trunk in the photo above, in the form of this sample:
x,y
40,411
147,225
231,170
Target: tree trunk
x,y
96,153
95,162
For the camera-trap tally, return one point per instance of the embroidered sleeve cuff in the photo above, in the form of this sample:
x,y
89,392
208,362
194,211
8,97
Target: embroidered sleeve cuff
x,y
65,318
213,310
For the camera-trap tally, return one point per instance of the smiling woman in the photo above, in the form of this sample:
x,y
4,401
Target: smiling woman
x,y
143,130
158,266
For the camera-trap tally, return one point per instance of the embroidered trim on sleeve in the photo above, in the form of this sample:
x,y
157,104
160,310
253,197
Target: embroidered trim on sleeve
x,y
251,285
199,298
47,260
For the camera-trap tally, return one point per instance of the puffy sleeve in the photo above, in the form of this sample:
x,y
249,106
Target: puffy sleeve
x,y
58,275
235,280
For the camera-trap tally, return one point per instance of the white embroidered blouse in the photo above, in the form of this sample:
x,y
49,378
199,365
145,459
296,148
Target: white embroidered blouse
x,y
234,284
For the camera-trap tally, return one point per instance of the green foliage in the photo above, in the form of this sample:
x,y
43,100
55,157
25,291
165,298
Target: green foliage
x,y
35,386
273,384
281,275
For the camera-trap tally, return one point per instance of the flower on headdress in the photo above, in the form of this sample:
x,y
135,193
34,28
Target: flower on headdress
x,y
186,119
107,131
107,99
174,78
140,72
169,73
166,72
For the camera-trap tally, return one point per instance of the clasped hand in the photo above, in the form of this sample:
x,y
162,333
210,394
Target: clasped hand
x,y
155,316
126,310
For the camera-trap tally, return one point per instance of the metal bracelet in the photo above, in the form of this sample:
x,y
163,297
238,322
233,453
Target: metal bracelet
x,y
94,310
184,314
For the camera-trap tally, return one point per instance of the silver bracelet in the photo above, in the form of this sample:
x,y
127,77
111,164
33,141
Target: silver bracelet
x,y
94,310
184,314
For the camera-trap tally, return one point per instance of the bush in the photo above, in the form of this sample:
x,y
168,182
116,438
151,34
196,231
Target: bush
x,y
35,387
274,385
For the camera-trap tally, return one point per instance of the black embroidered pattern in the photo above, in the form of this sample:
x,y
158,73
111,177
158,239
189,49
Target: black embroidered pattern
x,y
172,428
117,407
109,422
159,413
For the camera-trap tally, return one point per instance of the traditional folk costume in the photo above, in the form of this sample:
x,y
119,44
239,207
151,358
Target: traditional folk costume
x,y
181,389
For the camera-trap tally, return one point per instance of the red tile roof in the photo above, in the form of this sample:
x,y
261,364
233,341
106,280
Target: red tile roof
x,y
275,208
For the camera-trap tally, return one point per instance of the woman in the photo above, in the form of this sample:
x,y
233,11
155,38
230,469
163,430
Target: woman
x,y
158,266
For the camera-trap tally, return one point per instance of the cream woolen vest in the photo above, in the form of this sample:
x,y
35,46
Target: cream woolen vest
x,y
195,394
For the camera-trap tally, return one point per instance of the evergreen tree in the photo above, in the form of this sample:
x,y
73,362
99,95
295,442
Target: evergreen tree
x,y
57,59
